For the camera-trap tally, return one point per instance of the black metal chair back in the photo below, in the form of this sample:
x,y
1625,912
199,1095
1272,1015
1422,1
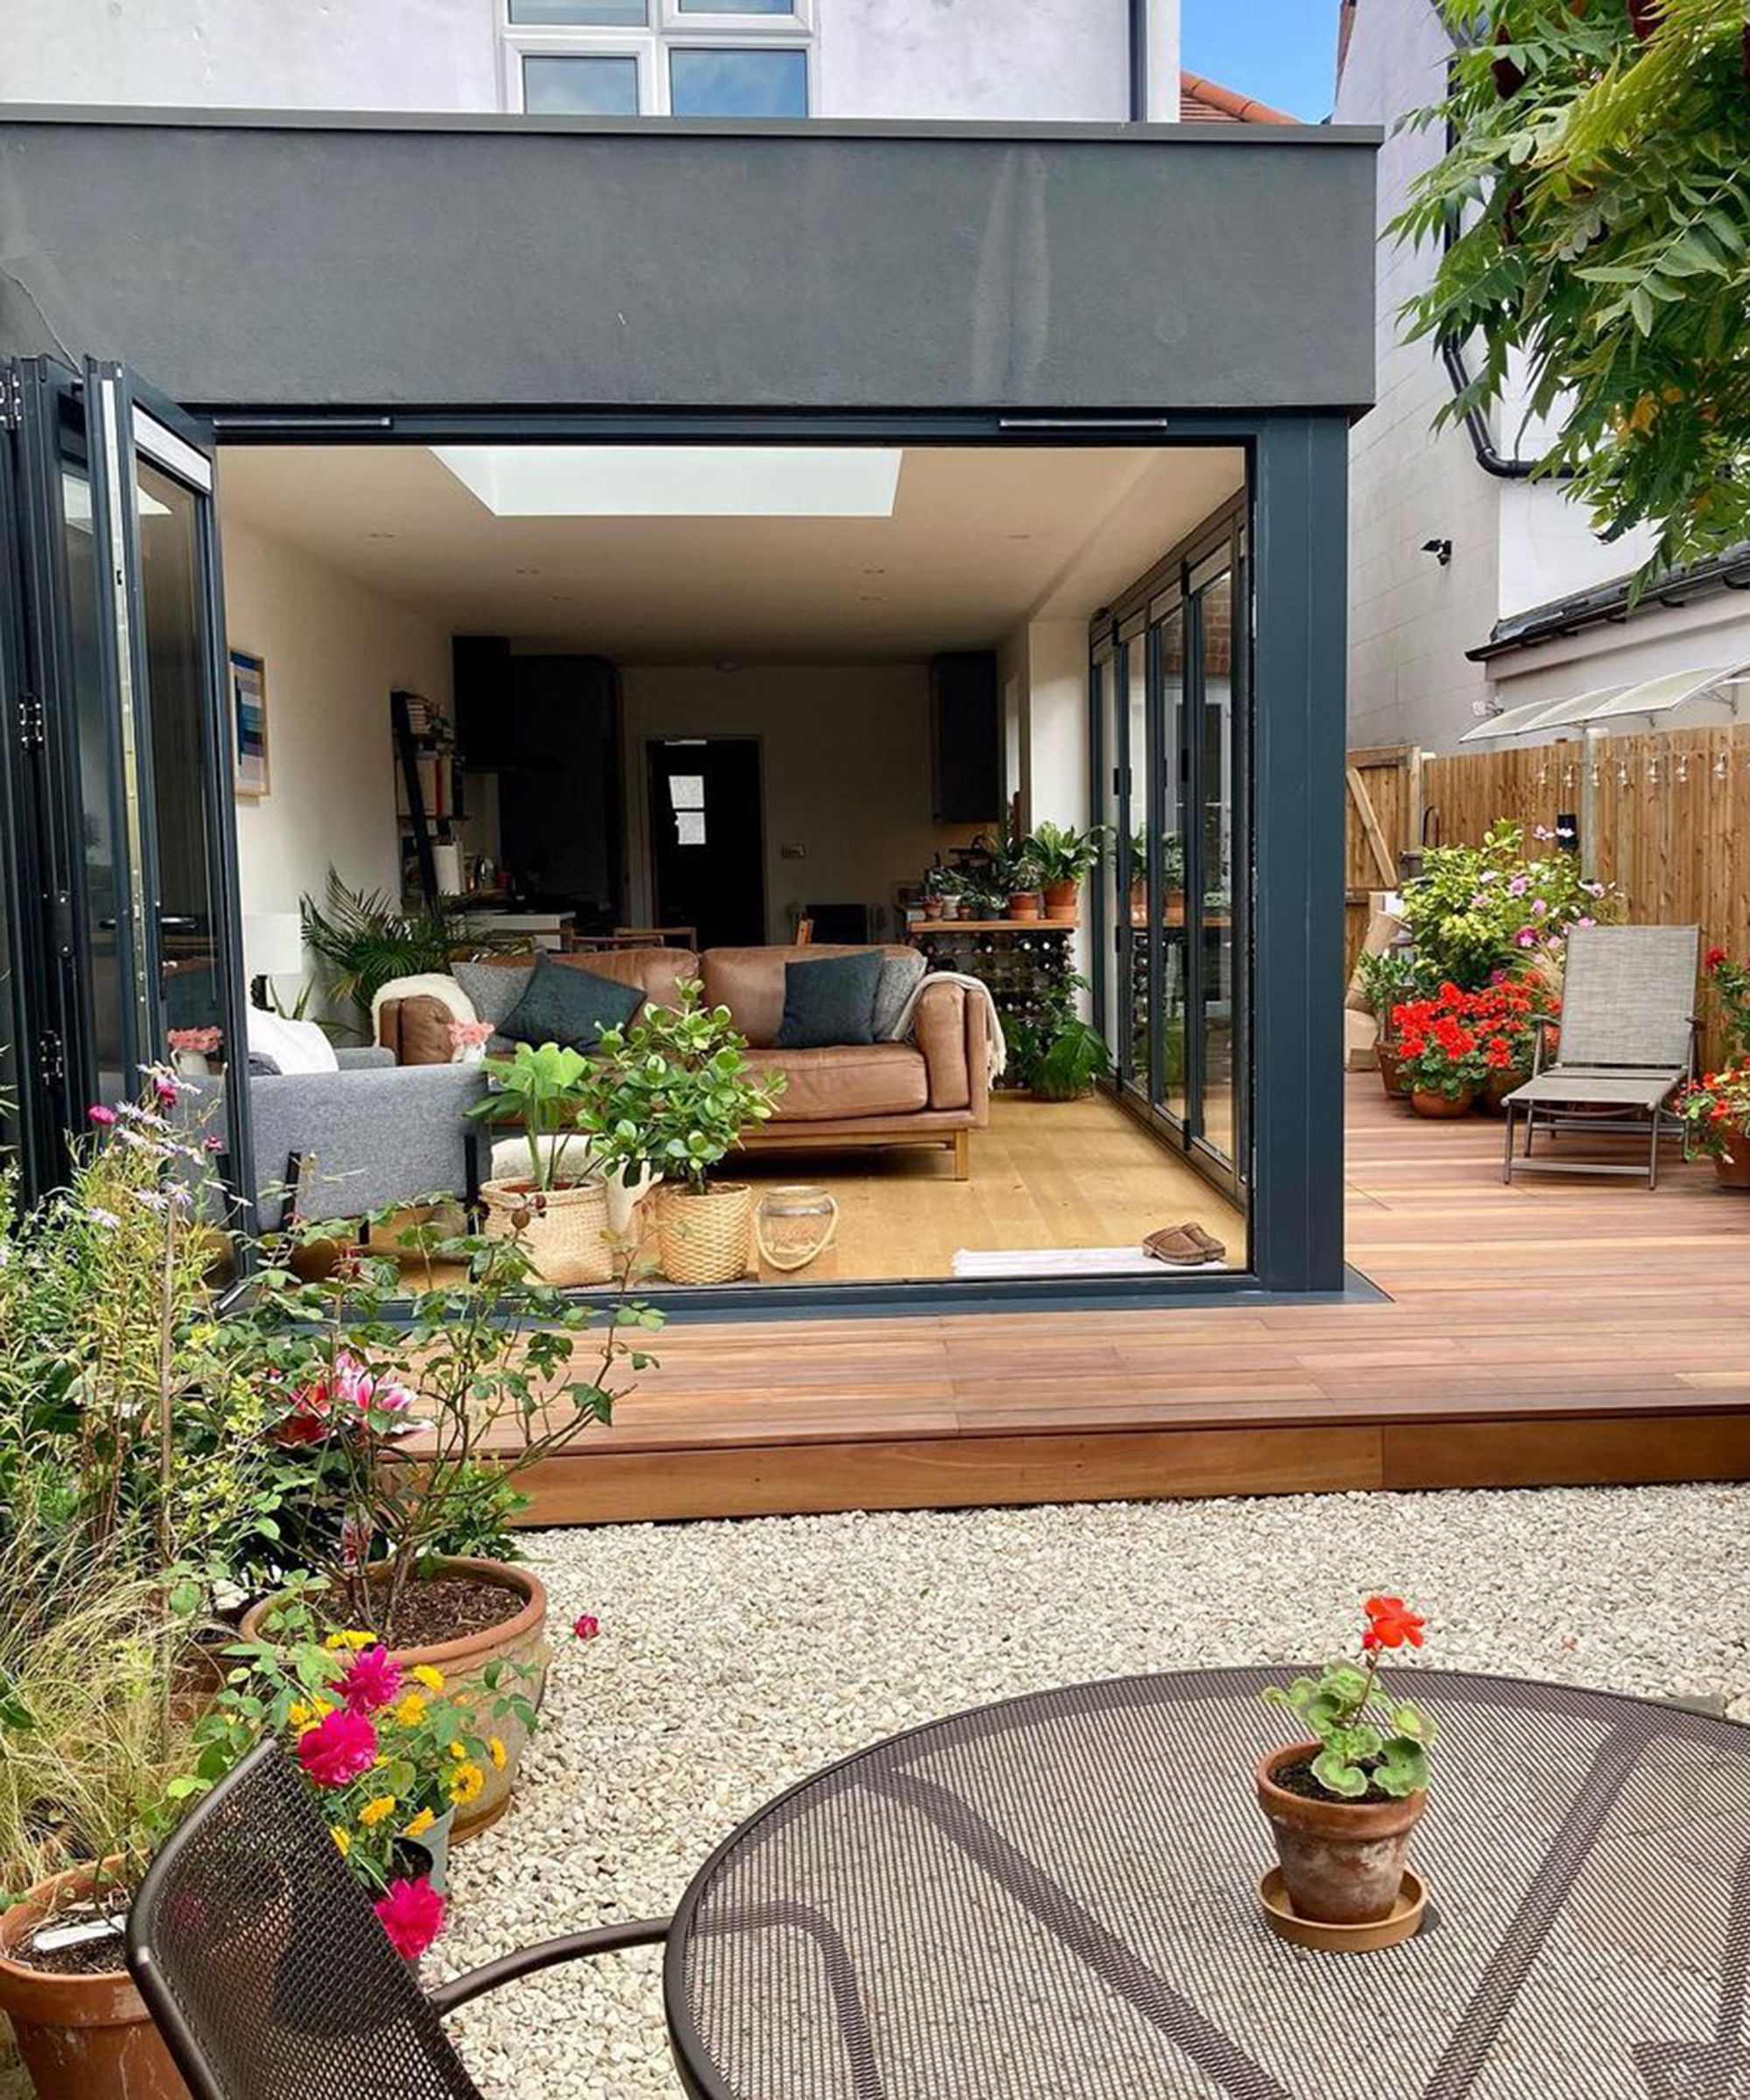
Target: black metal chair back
x,y
258,1953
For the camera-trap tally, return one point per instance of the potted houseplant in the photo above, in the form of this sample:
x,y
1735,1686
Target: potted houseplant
x,y
480,1364
1508,1016
1056,1053
1025,898
1475,910
1715,1113
559,1206
1388,980
1342,1802
1065,857
1730,983
939,889
674,1092
1440,1052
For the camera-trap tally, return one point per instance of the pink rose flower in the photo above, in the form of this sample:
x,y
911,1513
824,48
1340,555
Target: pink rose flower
x,y
340,1747
412,1914
372,1680
100,1116
586,1626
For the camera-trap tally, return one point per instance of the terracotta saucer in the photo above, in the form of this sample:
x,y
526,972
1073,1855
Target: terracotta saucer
x,y
1284,1920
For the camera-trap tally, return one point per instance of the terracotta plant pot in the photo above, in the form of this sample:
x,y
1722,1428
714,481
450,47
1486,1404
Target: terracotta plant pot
x,y
1026,904
1342,1861
521,1641
1391,1073
1139,903
80,2037
933,908
1498,1086
704,1239
563,1229
1732,1168
1426,1101
1063,901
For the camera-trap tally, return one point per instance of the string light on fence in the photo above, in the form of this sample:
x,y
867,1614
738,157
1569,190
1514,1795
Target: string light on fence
x,y
1682,766
1653,773
1720,769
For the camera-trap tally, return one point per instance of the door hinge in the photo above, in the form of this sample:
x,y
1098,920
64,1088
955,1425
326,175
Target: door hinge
x,y
50,1064
11,399
32,723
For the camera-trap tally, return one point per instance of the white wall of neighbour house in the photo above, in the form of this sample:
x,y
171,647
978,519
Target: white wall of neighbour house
x,y
845,775
1710,633
334,651
1064,59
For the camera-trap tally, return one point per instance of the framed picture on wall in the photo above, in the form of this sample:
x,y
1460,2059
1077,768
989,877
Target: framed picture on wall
x,y
249,724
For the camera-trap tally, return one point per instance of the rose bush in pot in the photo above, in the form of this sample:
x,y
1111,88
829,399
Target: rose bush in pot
x,y
1342,1803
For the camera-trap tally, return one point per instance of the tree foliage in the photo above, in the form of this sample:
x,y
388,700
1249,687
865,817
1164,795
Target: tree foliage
x,y
1595,205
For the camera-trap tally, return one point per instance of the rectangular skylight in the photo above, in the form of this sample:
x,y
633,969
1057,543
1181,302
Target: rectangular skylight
x,y
677,481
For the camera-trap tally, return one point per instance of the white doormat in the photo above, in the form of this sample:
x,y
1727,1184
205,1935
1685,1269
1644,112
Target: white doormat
x,y
978,1266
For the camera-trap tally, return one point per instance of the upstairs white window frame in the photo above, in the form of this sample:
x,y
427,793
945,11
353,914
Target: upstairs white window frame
x,y
666,29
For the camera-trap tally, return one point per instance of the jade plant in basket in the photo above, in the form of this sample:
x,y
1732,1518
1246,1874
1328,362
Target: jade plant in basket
x,y
1342,1802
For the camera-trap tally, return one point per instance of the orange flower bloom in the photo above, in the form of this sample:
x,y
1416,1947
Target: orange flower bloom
x,y
1390,1623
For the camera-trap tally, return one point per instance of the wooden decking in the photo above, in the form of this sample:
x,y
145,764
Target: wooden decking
x,y
1556,1331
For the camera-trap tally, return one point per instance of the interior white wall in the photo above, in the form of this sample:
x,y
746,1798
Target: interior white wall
x,y
967,58
1046,664
334,651
845,770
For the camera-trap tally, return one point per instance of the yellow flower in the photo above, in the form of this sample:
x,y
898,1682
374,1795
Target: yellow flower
x,y
498,1752
411,1710
351,1638
343,1838
456,1750
306,1714
423,1673
467,1783
374,1811
420,1823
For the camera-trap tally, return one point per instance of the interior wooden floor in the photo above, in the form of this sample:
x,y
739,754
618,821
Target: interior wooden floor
x,y
1553,1331
1045,1175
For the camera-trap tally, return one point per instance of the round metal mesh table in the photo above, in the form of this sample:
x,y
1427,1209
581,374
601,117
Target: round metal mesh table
x,y
1054,1899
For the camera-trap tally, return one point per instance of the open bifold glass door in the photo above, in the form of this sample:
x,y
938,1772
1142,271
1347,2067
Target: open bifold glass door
x,y
120,854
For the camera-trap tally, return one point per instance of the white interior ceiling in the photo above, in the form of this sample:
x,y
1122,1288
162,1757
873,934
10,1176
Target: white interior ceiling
x,y
979,540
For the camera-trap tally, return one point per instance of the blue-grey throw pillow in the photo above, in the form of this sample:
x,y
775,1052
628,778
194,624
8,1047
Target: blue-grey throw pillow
x,y
572,1006
829,1001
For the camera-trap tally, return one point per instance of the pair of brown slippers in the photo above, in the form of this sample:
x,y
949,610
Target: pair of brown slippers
x,y
1185,1246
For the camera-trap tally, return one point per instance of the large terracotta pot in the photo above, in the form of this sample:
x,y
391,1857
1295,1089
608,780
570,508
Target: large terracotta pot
x,y
1063,901
704,1238
1342,1861
1732,1168
1391,1072
1426,1101
80,2037
1026,904
521,1641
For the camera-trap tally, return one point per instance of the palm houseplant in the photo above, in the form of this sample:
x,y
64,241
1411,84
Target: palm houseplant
x,y
1342,1801
559,1207
1065,857
418,1409
674,1095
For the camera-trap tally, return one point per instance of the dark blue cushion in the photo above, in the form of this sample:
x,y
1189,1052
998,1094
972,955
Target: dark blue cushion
x,y
829,1001
569,1006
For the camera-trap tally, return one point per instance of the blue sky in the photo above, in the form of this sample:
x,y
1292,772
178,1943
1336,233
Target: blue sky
x,y
1285,52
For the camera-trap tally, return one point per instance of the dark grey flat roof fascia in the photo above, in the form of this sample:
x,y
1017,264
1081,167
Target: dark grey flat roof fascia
x,y
456,121
269,259
1612,603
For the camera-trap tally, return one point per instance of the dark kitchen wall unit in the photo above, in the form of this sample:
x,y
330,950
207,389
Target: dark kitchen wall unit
x,y
966,744
485,718
560,824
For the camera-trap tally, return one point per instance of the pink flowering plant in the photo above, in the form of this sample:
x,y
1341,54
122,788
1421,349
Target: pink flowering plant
x,y
1507,905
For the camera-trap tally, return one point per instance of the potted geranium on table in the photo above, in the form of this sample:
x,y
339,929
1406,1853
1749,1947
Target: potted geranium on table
x,y
1342,1802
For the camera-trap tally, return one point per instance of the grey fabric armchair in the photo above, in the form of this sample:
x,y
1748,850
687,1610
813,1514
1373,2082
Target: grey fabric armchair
x,y
373,1134
1627,1040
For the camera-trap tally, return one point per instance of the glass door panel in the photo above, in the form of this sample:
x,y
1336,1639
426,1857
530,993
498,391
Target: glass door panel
x,y
1219,978
1133,859
1168,756
1108,885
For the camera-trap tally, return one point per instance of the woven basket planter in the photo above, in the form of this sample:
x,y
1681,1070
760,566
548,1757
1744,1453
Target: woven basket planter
x,y
564,1229
704,1239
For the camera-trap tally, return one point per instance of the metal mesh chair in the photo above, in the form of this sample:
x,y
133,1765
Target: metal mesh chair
x,y
1627,1039
258,1953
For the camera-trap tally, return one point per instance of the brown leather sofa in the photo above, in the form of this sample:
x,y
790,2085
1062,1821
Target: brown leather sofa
x,y
932,1088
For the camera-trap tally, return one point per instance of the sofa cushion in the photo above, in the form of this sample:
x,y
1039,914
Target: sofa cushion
x,y
494,987
659,973
831,999
570,1005
902,971
749,982
422,1028
853,1079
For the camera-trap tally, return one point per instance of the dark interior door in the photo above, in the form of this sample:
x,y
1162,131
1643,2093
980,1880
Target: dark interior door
x,y
707,839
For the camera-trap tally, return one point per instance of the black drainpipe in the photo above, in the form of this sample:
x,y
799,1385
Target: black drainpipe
x,y
1139,62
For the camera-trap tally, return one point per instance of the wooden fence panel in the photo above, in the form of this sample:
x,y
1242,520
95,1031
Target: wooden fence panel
x,y
1664,818
1384,815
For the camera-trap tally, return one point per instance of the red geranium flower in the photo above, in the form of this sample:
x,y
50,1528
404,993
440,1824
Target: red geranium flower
x,y
339,1747
412,1914
1712,959
1390,1623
